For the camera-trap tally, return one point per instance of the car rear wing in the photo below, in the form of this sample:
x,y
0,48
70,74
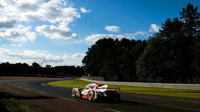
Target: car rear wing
x,y
95,88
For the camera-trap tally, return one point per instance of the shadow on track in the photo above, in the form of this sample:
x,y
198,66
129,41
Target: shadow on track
x,y
32,97
8,95
126,102
123,102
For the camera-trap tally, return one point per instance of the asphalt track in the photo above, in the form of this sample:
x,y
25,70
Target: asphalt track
x,y
42,98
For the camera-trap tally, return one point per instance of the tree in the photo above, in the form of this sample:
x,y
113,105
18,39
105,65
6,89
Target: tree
x,y
169,53
48,66
34,69
191,21
170,27
113,59
190,18
196,62
151,65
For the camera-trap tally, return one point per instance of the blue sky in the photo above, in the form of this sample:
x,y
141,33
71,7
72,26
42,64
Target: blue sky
x,y
61,31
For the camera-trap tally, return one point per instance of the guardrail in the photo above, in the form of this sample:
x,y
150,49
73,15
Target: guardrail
x,y
141,84
93,78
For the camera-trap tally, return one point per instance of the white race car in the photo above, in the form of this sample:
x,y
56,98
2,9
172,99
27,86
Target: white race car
x,y
96,92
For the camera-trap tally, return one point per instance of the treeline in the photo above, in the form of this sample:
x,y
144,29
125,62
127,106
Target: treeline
x,y
114,59
171,55
23,69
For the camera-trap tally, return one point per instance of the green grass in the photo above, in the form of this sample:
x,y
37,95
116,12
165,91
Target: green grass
x,y
70,83
12,105
184,93
9,104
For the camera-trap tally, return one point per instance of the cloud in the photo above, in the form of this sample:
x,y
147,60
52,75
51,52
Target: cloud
x,y
30,56
78,55
18,33
93,38
154,28
112,28
38,10
139,33
83,10
7,24
14,12
57,32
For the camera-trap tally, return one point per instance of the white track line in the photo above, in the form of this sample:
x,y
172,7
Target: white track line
x,y
67,99
113,110
43,84
41,92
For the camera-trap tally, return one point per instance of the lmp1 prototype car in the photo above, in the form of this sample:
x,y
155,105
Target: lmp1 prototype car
x,y
96,92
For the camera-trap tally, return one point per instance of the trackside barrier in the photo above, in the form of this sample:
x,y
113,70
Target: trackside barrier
x,y
141,84
93,78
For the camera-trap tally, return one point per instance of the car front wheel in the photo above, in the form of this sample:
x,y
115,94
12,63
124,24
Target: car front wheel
x,y
90,96
74,93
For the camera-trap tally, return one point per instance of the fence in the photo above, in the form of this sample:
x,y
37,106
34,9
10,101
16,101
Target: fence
x,y
141,84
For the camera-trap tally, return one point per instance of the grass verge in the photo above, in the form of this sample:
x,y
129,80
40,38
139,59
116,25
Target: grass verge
x,y
9,104
184,93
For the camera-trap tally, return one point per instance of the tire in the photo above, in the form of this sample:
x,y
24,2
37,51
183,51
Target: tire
x,y
80,94
90,96
74,94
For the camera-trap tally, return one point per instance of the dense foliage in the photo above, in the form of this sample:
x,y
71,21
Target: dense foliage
x,y
35,69
114,59
171,55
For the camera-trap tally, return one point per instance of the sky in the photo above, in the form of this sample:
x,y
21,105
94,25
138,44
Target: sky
x,y
61,31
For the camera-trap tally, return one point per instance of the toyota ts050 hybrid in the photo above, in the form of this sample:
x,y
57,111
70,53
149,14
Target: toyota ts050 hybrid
x,y
96,92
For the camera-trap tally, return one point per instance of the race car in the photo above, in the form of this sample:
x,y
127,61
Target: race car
x,y
96,92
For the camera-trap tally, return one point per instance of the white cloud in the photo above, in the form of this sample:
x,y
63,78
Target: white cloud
x,y
93,38
57,32
30,56
38,10
14,45
83,10
18,33
142,34
139,33
154,28
14,12
112,28
78,55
